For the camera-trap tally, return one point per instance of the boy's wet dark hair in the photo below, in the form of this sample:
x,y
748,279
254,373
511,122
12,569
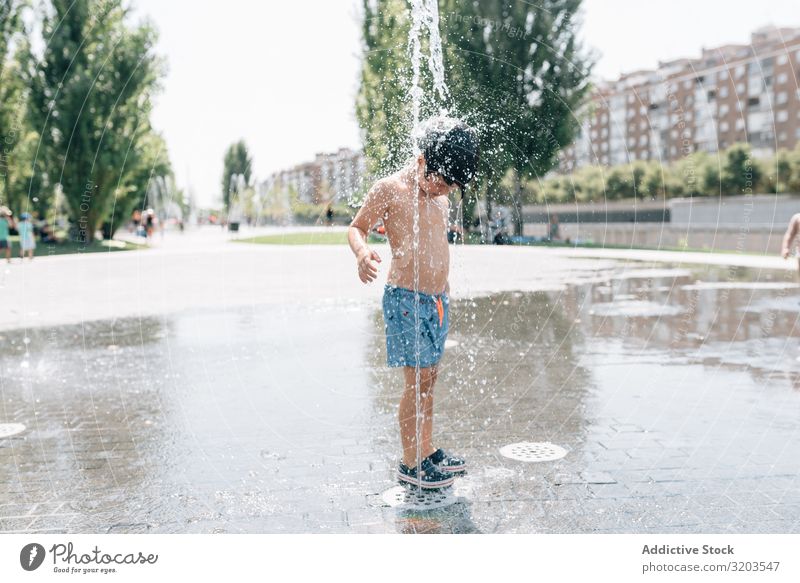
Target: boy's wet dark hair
x,y
451,149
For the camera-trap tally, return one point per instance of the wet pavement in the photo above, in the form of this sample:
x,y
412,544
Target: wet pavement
x,y
675,391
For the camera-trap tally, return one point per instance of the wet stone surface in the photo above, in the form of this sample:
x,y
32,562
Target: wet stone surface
x,y
674,391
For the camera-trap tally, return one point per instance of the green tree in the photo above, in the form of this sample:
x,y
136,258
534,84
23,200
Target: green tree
x,y
740,173
382,105
515,73
148,161
237,161
518,72
90,100
14,131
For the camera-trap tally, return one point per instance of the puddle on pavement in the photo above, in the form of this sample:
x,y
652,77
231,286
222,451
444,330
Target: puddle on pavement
x,y
283,419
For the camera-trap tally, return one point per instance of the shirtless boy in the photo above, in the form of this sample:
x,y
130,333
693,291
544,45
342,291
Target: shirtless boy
x,y
447,160
789,236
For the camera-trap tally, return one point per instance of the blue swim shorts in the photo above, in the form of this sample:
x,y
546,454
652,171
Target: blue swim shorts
x,y
402,342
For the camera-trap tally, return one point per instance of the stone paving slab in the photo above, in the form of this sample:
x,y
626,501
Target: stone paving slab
x,y
281,416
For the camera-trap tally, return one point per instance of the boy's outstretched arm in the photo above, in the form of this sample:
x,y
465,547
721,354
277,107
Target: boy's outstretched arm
x,y
791,232
375,207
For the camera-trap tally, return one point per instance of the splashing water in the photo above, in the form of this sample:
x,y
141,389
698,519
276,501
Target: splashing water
x,y
424,15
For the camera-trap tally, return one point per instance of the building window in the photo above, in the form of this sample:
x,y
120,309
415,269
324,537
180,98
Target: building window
x,y
723,126
740,71
783,59
723,109
782,78
723,91
723,75
604,147
782,97
643,126
643,141
740,89
782,115
782,137
739,123
687,84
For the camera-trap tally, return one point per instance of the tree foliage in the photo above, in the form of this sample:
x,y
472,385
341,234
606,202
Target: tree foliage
x,y
14,134
515,72
237,161
90,102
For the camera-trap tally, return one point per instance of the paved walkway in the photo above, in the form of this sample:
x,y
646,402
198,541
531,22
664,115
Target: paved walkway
x,y
206,386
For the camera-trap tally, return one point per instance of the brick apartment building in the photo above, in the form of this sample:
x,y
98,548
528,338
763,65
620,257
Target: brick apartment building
x,y
733,93
329,177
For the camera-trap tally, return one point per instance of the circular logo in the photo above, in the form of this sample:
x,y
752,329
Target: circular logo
x,y
31,556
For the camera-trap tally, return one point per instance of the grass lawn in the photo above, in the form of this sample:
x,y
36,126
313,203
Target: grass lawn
x,y
309,238
340,238
48,249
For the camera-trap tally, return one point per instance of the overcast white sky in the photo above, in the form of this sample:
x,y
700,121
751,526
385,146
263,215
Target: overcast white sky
x,y
283,75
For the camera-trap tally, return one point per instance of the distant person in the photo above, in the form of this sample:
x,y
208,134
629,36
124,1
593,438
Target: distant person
x,y
6,224
448,159
500,235
789,237
150,223
329,214
455,233
552,233
27,238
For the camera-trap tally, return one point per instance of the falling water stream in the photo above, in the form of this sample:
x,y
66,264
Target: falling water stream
x,y
424,18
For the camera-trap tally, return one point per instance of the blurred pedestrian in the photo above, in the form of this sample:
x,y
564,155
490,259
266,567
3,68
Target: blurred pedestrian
x,y
553,234
329,214
27,238
150,223
6,224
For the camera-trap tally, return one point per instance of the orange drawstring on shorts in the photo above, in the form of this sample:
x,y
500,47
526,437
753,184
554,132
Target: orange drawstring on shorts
x,y
440,309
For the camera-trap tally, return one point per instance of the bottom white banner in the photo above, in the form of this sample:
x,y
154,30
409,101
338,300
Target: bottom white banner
x,y
616,558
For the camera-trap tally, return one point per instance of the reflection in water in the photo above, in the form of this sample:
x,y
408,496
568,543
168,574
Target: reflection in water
x,y
84,393
454,519
284,418
581,368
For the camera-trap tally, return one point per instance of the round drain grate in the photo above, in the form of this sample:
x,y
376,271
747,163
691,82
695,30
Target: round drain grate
x,y
410,498
533,452
9,429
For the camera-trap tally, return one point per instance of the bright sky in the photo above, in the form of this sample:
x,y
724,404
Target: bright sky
x,y
283,75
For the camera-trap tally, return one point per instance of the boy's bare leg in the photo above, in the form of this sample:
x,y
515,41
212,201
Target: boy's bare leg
x,y
407,414
427,420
